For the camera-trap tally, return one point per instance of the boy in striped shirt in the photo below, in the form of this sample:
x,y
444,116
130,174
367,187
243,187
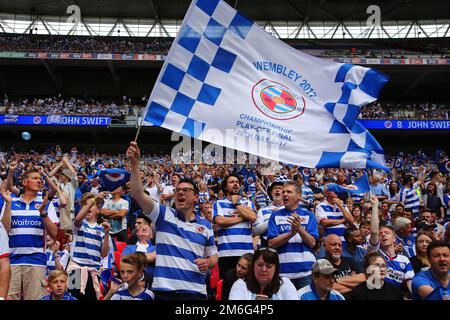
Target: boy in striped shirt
x,y
91,243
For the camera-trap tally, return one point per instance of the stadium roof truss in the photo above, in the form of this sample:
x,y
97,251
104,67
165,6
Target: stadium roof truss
x,y
148,27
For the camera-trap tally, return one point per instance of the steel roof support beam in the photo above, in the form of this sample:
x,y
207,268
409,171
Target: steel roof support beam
x,y
56,81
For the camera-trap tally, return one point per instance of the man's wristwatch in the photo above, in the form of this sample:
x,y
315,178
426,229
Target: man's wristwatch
x,y
44,215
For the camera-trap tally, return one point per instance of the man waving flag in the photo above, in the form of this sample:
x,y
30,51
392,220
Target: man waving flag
x,y
227,81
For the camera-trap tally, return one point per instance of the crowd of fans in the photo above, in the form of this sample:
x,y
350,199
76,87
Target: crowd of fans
x,y
179,230
377,110
59,105
53,43
14,42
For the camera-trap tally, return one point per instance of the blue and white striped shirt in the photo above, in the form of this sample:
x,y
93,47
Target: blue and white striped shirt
x,y
55,202
236,240
66,296
296,258
261,223
203,197
399,268
27,236
178,244
411,199
51,265
124,294
357,197
87,245
307,194
325,210
262,200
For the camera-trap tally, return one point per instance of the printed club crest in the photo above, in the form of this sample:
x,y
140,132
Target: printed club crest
x,y
277,101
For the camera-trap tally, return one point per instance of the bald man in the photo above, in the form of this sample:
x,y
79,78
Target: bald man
x,y
348,275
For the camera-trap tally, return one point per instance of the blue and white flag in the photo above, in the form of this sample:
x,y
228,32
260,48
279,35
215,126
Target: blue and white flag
x,y
282,178
398,163
360,186
306,173
248,176
228,82
444,167
111,179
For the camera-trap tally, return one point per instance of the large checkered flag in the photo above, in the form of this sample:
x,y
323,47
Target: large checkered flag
x,y
228,82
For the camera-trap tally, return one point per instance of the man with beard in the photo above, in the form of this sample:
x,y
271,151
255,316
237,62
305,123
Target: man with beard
x,y
261,224
346,276
234,217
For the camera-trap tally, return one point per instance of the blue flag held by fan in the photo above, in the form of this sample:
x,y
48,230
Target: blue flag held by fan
x,y
360,186
111,179
444,167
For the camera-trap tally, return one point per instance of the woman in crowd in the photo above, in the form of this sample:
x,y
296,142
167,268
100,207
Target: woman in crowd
x,y
357,215
420,261
243,267
375,288
264,281
432,201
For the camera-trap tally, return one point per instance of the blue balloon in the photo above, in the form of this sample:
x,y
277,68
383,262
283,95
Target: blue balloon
x,y
26,135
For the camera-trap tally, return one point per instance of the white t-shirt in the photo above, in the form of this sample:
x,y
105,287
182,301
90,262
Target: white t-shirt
x,y
70,188
287,291
4,242
168,190
117,225
154,193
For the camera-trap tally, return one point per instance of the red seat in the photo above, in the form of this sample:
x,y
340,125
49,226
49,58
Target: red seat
x,y
219,290
214,279
120,246
117,255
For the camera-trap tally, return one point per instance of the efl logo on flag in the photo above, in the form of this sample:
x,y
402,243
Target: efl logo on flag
x,y
228,82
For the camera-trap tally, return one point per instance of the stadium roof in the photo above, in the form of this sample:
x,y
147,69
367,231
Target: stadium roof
x,y
273,10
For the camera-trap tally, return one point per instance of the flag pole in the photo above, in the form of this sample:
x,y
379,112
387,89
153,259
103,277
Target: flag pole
x,y
139,129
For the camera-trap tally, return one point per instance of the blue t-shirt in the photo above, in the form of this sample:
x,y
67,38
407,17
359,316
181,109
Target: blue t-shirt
x,y
66,296
296,258
425,278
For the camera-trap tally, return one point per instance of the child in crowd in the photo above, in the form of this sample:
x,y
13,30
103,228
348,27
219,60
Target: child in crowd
x,y
57,285
132,272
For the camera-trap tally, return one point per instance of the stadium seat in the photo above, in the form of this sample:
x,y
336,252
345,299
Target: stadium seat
x,y
219,290
214,279
117,255
120,246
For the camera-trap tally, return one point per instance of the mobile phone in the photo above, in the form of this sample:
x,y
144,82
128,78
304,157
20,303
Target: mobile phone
x,y
100,219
